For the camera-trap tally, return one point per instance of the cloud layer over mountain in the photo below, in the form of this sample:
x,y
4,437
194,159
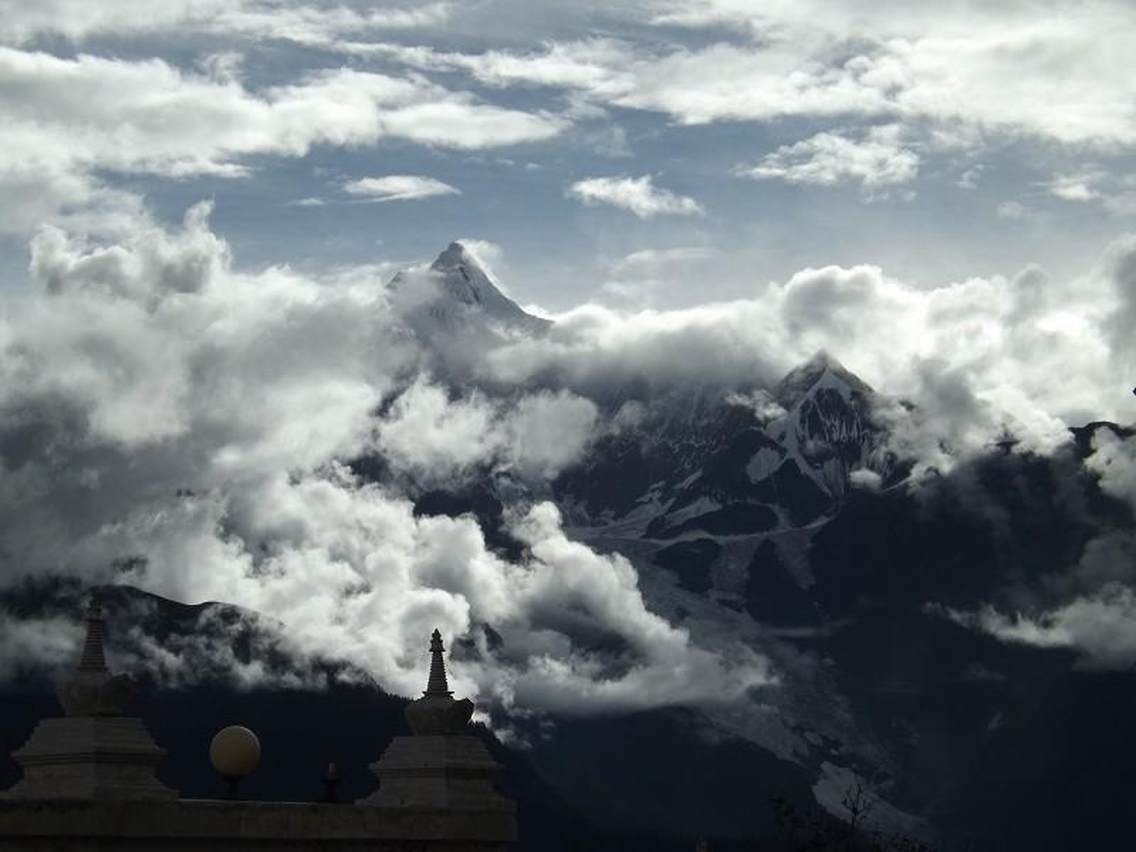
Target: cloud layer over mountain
x,y
173,423
180,420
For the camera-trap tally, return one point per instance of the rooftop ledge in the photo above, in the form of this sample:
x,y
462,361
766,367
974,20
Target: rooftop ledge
x,y
218,820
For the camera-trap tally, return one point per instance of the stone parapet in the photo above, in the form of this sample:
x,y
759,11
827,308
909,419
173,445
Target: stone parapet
x,y
202,825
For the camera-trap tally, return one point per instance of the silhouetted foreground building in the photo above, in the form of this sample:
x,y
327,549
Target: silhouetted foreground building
x,y
89,783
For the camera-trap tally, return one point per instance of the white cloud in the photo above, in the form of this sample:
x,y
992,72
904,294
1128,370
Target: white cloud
x,y
75,19
972,69
399,188
487,254
976,356
27,644
637,277
1101,627
315,25
969,178
490,257
1075,187
1097,618
62,119
305,24
442,440
589,66
1115,192
207,408
1013,210
548,432
875,160
653,261
1113,460
637,195
761,402
1016,70
864,478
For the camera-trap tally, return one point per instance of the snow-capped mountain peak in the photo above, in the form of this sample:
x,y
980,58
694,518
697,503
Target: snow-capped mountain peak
x,y
819,372
827,428
457,293
464,277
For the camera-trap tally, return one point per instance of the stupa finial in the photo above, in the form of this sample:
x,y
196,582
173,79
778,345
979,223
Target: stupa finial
x,y
437,684
93,658
91,690
436,712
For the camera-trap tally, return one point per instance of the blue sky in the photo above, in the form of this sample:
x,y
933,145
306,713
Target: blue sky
x,y
965,141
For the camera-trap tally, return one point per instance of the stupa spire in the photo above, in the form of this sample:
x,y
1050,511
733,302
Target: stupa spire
x,y
91,690
437,684
93,658
436,712
440,765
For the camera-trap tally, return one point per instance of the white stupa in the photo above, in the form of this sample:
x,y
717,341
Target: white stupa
x,y
93,752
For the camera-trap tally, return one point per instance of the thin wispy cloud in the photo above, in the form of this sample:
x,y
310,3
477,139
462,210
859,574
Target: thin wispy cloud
x,y
1014,211
972,69
302,23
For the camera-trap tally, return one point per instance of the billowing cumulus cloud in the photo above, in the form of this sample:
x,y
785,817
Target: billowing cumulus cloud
x,y
637,195
173,424
351,572
171,420
977,356
178,425
399,188
427,433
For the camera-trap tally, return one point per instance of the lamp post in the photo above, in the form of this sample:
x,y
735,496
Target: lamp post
x,y
234,753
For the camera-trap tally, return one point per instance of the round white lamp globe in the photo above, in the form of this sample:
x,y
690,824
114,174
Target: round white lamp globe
x,y
234,752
